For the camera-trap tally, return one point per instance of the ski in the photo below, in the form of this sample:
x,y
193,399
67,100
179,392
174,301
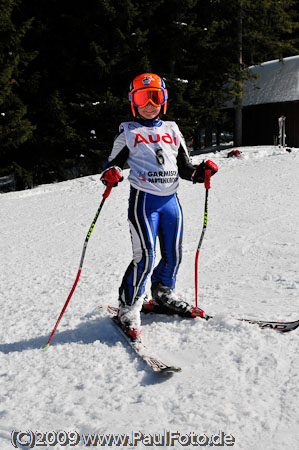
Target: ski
x,y
281,326
155,364
277,326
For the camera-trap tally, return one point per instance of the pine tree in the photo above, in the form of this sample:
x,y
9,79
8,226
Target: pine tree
x,y
15,127
75,89
263,32
77,83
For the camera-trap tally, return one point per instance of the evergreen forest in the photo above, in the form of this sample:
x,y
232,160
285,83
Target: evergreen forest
x,y
66,67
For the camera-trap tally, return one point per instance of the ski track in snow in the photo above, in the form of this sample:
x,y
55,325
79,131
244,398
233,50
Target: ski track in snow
x,y
235,377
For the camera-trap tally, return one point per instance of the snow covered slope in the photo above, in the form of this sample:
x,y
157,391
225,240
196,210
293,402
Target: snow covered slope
x,y
235,378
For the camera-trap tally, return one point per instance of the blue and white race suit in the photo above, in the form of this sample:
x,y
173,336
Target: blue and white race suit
x,y
157,156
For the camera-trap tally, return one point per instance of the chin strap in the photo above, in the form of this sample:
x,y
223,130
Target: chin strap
x,y
149,122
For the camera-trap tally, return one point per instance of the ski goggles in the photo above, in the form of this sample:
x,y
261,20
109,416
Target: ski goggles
x,y
142,97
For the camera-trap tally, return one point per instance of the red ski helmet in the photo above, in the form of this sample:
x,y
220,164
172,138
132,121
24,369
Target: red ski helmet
x,y
148,88
234,154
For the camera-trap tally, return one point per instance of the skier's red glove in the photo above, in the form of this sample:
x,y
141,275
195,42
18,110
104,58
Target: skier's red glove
x,y
112,175
198,175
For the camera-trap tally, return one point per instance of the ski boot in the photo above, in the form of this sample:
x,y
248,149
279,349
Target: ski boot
x,y
129,318
169,303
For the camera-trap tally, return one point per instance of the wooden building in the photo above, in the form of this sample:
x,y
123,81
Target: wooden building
x,y
273,93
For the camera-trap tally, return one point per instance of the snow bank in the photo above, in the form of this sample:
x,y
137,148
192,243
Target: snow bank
x,y
235,378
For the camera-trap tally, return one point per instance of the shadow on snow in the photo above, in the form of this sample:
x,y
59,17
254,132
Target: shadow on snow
x,y
85,333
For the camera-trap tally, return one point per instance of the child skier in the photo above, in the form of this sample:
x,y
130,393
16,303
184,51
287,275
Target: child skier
x,y
156,153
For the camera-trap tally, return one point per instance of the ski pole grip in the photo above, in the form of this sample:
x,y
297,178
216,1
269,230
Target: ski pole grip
x,y
208,173
108,190
210,169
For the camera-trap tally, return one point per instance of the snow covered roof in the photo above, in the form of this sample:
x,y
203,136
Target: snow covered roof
x,y
276,82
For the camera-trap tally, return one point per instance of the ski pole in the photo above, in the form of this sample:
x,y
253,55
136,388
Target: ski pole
x,y
207,181
105,195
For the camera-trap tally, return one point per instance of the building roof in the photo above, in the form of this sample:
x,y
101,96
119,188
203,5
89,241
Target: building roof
x,y
276,82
